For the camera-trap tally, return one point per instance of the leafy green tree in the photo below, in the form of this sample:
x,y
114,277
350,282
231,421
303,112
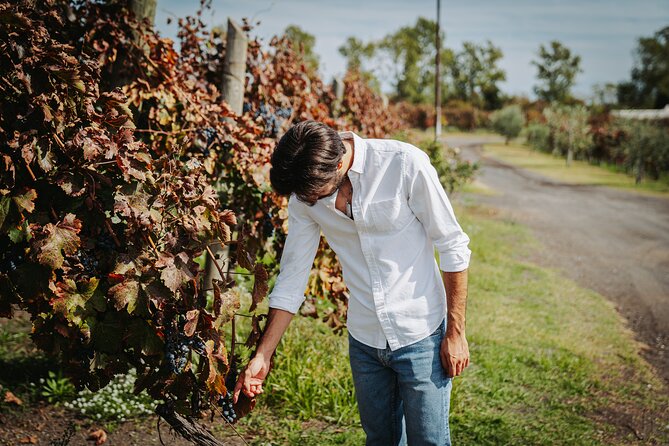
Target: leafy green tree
x,y
355,52
475,74
557,69
649,86
645,149
508,121
569,130
412,49
304,44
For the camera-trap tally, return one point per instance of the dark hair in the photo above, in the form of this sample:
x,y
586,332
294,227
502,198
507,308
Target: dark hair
x,y
305,161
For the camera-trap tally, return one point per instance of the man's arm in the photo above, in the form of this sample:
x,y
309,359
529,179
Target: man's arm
x,y
454,347
251,379
286,296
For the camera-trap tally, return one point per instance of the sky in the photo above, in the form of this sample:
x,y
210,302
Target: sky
x,y
603,32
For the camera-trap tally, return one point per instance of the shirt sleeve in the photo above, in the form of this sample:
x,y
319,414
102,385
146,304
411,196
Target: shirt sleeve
x,y
428,201
297,258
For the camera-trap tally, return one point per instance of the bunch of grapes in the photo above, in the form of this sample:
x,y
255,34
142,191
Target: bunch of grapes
x,y
225,401
177,348
88,262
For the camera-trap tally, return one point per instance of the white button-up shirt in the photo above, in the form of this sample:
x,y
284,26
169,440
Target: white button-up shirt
x,y
400,214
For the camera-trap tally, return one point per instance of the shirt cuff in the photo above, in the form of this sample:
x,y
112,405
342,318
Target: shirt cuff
x,y
454,261
290,304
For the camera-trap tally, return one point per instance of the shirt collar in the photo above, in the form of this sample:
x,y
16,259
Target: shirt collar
x,y
359,150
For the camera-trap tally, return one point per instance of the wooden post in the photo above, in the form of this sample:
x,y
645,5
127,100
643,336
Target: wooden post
x,y
144,9
232,92
338,88
234,67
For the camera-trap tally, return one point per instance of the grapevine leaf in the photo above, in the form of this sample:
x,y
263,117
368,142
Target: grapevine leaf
x,y
60,238
107,334
215,369
245,258
256,331
142,336
260,286
192,317
20,233
244,405
26,201
226,304
176,270
71,298
124,293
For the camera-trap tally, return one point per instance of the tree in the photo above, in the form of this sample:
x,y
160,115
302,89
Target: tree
x,y
355,52
413,49
475,74
508,121
557,69
645,149
649,86
569,130
303,42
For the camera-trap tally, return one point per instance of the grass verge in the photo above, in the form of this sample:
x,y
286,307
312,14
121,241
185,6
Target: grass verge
x,y
580,172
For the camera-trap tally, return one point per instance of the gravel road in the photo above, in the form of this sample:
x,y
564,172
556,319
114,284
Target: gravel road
x,y
614,242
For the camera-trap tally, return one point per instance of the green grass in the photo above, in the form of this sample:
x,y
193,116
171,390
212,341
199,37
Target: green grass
x,y
580,172
552,363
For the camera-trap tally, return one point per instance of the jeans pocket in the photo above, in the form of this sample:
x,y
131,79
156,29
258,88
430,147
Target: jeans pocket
x,y
439,332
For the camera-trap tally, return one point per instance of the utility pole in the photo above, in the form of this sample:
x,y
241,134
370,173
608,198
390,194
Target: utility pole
x,y
437,80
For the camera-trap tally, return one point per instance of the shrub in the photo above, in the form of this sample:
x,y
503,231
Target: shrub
x,y
569,130
538,136
464,116
508,121
645,148
452,170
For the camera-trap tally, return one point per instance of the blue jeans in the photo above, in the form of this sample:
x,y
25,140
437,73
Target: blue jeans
x,y
403,394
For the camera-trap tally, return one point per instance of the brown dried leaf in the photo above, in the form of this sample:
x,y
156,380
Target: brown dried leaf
x,y
124,293
26,201
12,399
192,317
256,331
260,286
60,238
99,435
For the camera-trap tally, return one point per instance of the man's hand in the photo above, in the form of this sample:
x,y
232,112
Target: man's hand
x,y
454,354
251,379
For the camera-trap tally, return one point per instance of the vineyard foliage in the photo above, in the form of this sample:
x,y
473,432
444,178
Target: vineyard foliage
x,y
120,166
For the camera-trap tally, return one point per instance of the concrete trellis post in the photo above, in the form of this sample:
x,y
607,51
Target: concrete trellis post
x,y
338,88
232,89
144,9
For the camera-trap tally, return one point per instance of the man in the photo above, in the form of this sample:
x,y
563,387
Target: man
x,y
382,209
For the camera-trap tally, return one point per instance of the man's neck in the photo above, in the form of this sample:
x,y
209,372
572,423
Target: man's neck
x,y
348,156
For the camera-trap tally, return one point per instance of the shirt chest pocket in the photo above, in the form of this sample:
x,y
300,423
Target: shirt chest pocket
x,y
389,215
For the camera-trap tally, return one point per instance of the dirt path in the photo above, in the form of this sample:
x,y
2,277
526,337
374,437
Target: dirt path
x,y
614,242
